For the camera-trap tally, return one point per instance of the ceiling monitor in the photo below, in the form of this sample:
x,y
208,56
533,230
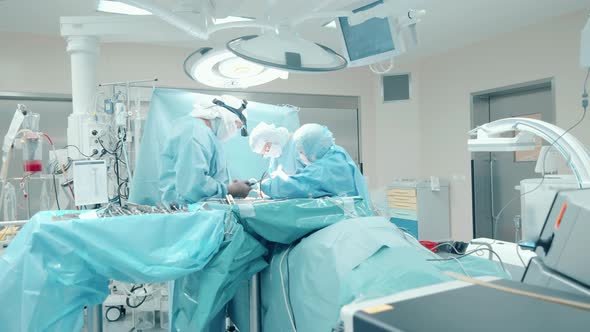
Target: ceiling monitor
x,y
368,36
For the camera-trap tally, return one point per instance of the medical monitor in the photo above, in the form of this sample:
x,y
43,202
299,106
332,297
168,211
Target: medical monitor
x,y
374,40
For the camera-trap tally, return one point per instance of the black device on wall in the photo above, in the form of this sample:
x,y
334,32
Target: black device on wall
x,y
395,87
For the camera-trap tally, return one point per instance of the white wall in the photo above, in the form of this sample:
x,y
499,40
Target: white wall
x,y
35,63
442,109
398,132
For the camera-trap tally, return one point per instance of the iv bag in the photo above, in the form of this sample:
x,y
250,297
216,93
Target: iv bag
x,y
9,203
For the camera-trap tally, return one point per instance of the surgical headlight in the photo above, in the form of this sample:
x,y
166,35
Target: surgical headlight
x,y
239,112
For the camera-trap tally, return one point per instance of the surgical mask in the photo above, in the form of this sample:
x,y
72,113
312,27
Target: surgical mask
x,y
274,151
226,126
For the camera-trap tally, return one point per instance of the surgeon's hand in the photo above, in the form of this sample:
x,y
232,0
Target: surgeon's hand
x,y
239,189
279,173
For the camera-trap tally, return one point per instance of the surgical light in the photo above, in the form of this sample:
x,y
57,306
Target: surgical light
x,y
330,25
222,69
231,19
286,51
116,7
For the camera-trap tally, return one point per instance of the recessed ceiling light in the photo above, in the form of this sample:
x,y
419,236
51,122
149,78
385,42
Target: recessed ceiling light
x,y
116,7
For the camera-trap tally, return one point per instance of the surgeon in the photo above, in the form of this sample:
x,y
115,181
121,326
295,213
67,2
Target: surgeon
x,y
328,171
193,166
276,143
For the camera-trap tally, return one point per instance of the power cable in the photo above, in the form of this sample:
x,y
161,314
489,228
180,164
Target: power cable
x,y
287,301
55,189
471,253
80,151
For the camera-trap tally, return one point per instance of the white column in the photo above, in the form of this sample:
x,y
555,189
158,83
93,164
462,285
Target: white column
x,y
83,52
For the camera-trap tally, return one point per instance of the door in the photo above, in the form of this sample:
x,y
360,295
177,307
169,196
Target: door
x,y
497,175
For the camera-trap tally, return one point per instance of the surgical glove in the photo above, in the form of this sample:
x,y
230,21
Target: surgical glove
x,y
239,189
279,173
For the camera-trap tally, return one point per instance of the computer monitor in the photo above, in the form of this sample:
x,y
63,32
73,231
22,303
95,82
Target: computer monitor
x,y
374,40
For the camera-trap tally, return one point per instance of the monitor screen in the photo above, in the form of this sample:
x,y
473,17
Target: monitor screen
x,y
372,37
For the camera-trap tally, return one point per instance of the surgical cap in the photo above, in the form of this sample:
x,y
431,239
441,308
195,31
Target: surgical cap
x,y
225,127
205,109
313,141
268,133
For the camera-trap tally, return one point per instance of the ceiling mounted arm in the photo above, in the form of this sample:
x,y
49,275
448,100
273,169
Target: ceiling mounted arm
x,y
573,151
317,11
202,31
170,18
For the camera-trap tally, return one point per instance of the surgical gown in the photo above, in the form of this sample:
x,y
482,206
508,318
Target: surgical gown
x,y
193,167
288,161
335,174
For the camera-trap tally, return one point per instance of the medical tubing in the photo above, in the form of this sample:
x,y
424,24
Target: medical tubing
x,y
474,251
461,266
80,151
60,164
287,306
124,151
133,289
56,194
117,178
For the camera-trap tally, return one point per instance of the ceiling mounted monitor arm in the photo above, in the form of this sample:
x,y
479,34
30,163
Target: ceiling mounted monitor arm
x,y
573,151
585,46
202,31
318,11
376,9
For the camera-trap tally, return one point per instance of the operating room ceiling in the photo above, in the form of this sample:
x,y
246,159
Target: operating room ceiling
x,y
448,24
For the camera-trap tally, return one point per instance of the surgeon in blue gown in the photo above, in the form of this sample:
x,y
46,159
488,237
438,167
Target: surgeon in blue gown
x,y
276,144
329,171
193,166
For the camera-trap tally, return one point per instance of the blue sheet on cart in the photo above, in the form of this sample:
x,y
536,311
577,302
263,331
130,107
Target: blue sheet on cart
x,y
353,260
53,269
